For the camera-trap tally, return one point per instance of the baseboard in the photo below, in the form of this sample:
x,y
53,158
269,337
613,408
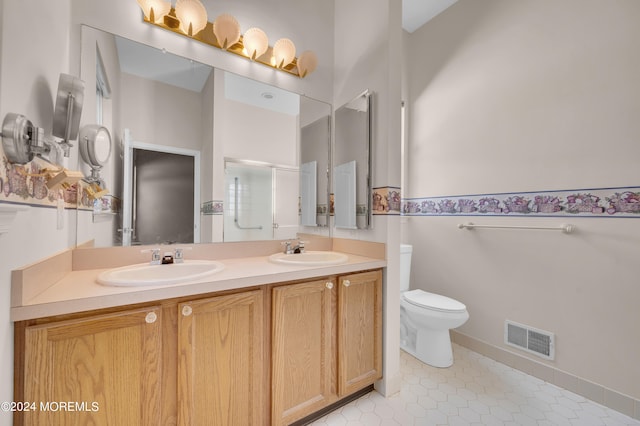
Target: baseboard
x,y
593,391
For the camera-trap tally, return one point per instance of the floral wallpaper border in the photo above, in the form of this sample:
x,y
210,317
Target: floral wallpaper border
x,y
595,202
210,208
386,200
27,184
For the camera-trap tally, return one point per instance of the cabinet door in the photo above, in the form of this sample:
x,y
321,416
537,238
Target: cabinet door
x,y
359,331
105,369
301,350
221,357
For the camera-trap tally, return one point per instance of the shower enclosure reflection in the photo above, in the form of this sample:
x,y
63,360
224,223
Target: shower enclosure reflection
x,y
261,201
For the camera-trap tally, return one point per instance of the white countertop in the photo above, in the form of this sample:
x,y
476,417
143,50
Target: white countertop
x,y
79,291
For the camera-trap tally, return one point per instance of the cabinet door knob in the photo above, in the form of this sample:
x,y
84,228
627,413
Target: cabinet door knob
x,y
329,285
346,283
186,310
151,317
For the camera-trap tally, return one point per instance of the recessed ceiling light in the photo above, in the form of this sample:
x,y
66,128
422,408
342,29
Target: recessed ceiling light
x,y
267,95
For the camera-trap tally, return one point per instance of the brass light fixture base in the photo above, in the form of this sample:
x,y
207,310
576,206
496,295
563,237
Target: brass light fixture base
x,y
206,36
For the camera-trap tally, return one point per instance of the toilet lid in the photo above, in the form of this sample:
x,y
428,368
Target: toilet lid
x,y
433,301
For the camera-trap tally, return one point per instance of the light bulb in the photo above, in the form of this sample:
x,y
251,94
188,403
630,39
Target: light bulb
x,y
192,16
227,30
284,51
160,9
255,43
307,63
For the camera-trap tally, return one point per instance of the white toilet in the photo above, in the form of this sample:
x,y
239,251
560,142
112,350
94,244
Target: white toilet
x,y
426,318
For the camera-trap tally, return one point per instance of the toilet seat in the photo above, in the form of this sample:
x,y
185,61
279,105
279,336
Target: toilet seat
x,y
433,301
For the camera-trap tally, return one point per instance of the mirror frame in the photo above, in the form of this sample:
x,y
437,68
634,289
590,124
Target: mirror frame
x,y
365,142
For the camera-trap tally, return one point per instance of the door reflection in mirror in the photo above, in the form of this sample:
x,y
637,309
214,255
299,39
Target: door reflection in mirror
x,y
161,194
162,198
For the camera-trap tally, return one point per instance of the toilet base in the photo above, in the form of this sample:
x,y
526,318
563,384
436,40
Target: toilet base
x,y
424,333
433,347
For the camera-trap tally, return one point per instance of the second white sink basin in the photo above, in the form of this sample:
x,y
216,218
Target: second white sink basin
x,y
144,274
310,258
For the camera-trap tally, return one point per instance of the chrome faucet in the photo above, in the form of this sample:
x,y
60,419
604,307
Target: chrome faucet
x,y
289,249
178,254
155,255
299,248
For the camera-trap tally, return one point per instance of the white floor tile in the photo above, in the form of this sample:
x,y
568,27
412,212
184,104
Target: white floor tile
x,y
475,391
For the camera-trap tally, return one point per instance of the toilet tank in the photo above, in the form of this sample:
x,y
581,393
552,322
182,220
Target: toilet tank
x,y
405,266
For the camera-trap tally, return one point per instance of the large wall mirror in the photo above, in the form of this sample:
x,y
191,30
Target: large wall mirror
x,y
352,164
199,154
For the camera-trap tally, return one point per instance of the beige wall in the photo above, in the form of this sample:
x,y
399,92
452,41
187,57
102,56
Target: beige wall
x,y
367,56
514,96
28,85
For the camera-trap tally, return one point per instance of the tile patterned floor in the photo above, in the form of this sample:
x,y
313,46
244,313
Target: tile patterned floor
x,y
476,391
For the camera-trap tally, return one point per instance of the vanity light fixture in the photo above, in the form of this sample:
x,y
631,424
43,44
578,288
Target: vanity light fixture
x,y
227,30
192,16
189,19
155,10
284,52
256,43
307,63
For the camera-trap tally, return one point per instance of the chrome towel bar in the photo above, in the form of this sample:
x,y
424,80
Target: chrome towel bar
x,y
566,228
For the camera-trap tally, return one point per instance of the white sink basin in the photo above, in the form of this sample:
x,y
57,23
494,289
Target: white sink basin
x,y
310,258
144,274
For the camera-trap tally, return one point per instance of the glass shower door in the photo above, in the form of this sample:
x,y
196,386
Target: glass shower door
x,y
261,202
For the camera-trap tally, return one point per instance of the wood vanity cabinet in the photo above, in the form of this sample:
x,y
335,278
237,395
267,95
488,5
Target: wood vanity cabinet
x,y
109,366
359,331
301,349
220,360
209,359
202,362
326,342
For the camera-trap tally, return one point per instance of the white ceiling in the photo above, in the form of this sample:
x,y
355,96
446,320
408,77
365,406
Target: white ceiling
x,y
415,13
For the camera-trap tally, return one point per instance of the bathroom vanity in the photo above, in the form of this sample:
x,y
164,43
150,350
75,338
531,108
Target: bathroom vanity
x,y
257,343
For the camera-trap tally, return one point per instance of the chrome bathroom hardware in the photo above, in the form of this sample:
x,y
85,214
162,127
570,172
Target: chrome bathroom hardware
x,y
298,248
287,247
178,254
235,211
155,255
565,228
